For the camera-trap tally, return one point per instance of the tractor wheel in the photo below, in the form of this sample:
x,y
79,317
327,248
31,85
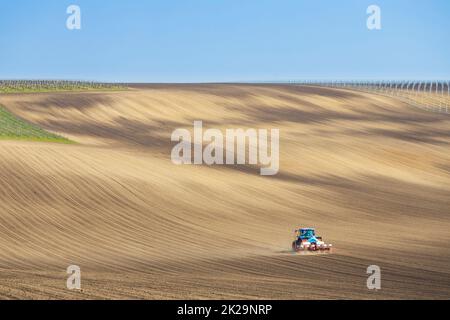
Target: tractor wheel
x,y
294,246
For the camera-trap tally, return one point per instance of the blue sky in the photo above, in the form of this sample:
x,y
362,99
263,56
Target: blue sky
x,y
224,40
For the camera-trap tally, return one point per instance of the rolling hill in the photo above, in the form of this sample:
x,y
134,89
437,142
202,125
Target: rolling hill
x,y
371,173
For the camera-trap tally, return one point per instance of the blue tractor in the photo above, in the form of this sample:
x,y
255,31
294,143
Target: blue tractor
x,y
306,240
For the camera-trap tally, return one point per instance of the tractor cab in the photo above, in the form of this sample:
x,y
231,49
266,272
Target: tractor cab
x,y
306,233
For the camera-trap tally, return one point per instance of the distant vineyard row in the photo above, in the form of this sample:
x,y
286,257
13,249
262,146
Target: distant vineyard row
x,y
429,95
18,86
